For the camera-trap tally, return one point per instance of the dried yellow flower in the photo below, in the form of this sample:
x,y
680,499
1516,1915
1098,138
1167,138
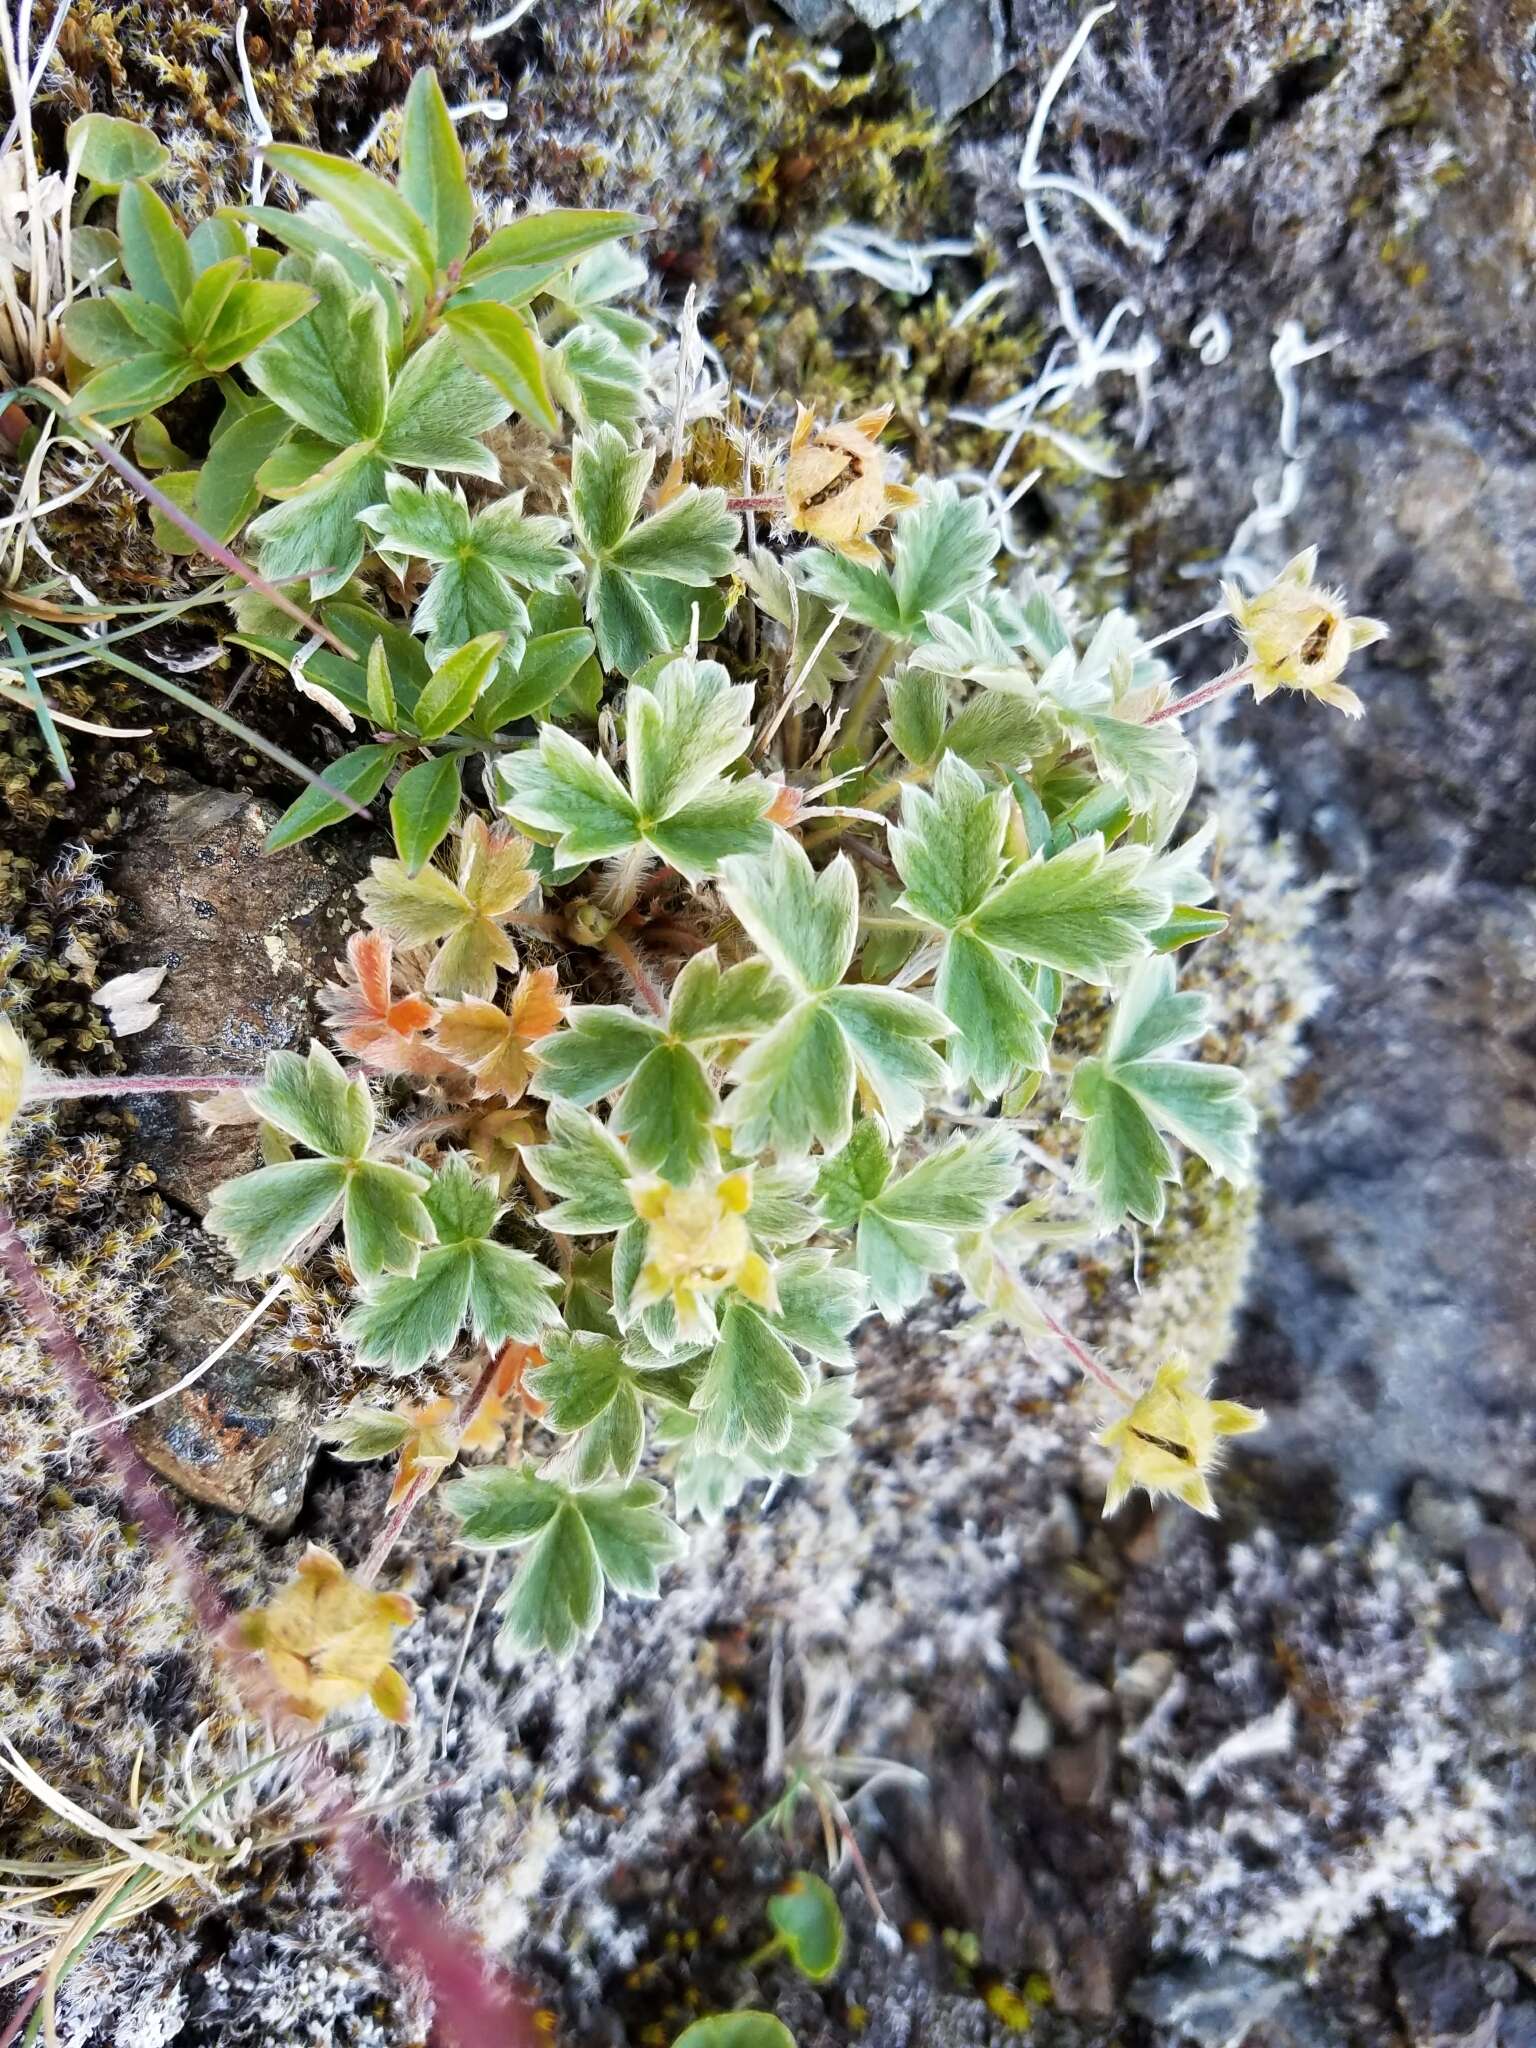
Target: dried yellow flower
x,y
699,1245
1171,1439
13,1072
835,486
1299,636
327,1640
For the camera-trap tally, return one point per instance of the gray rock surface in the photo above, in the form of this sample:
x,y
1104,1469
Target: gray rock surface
x,y
242,1437
1348,170
1212,2005
247,938
951,52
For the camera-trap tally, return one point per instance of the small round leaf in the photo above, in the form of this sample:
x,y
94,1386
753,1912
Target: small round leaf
x,y
110,151
809,1922
736,2030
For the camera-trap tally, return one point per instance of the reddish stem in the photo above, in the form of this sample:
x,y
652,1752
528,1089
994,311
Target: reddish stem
x,y
773,501
1206,694
628,959
1083,1357
475,2004
79,1087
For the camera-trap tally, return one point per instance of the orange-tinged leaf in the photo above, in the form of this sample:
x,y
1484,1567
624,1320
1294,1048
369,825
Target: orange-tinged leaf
x,y
492,1043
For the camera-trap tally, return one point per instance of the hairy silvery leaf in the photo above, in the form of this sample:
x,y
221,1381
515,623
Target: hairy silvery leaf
x,y
574,1540
1135,1095
683,732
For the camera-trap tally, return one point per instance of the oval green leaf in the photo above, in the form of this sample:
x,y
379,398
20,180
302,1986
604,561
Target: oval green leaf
x,y
425,803
736,2030
503,346
450,696
108,151
360,775
809,1922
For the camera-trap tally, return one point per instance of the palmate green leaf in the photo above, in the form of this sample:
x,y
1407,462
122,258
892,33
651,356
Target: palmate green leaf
x,y
466,1281
906,1225
318,533
363,1433
708,1483
433,181
579,1539
681,733
608,480
330,370
948,850
804,922
1135,1095
587,293
263,1215
641,576
312,1101
794,1086
1086,912
1151,763
592,1393
439,412
597,379
918,703
594,1055
483,564
1001,1029
666,1112
668,1103
942,551
750,1386
819,1303
582,1162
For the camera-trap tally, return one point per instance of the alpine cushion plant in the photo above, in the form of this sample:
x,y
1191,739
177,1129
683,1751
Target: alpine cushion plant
x,y
744,878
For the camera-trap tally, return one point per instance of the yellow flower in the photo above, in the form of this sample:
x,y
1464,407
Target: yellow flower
x,y
835,487
1171,1439
1299,636
327,1640
697,1246
13,1072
